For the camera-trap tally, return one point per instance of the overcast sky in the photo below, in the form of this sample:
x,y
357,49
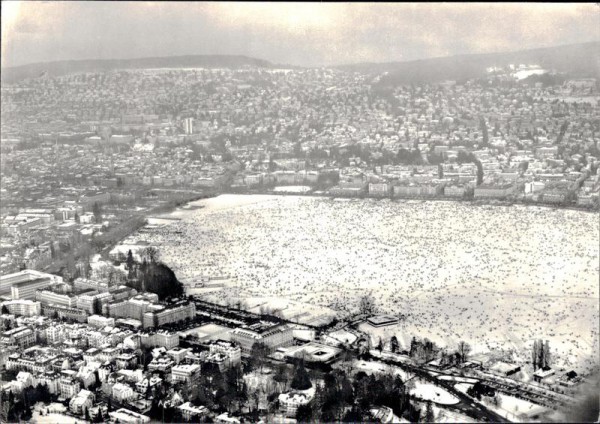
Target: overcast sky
x,y
290,33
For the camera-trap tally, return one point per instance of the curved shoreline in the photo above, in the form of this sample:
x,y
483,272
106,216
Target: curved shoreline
x,y
474,202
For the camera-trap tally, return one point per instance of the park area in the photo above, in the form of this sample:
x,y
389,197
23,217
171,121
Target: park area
x,y
430,392
497,277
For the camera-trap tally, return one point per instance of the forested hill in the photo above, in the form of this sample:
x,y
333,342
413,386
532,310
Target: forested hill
x,y
63,67
578,60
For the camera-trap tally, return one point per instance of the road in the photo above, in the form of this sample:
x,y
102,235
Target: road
x,y
466,404
522,390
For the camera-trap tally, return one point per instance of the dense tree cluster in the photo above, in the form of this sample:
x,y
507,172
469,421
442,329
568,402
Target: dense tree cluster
x,y
366,305
394,345
18,407
301,380
422,351
479,389
341,399
153,276
115,234
541,354
468,157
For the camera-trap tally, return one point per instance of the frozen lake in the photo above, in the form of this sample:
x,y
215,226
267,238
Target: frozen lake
x,y
498,276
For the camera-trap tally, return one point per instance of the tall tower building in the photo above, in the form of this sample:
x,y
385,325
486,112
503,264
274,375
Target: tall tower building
x,y
188,125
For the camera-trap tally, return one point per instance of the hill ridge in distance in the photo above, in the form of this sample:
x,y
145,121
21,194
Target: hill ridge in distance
x,y
581,60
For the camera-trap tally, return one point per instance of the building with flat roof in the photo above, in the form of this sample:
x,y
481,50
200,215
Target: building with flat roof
x,y
382,320
27,275
49,297
315,353
504,369
543,373
75,314
187,373
160,338
81,284
27,289
23,307
92,302
161,315
273,336
126,416
99,321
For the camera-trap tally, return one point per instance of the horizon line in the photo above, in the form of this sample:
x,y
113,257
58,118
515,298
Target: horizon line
x,y
346,64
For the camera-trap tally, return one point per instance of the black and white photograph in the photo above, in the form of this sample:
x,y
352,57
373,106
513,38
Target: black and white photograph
x,y
299,212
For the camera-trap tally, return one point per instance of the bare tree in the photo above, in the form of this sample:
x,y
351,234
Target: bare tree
x,y
366,305
545,354
150,253
463,349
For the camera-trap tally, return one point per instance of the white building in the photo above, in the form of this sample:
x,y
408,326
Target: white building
x,y
186,373
188,411
126,416
23,307
84,400
232,351
99,321
69,387
188,125
35,278
289,402
122,392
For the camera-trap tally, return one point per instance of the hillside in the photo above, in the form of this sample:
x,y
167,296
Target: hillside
x,y
579,60
63,67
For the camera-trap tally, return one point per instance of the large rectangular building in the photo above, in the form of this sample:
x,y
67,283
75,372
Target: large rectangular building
x,y
48,297
23,307
92,302
168,314
28,289
273,336
26,283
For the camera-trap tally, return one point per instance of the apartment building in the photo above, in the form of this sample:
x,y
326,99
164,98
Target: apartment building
x,y
23,307
188,373
35,278
49,297
21,336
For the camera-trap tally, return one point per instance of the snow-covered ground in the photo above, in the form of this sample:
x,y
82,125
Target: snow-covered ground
x,y
494,276
343,336
371,367
463,387
444,416
54,415
56,419
511,407
428,391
